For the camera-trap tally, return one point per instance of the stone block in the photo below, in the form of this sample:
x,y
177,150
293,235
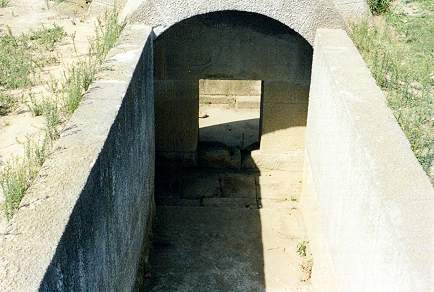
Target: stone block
x,y
289,161
283,127
229,87
198,186
235,203
238,185
248,102
219,156
285,91
217,99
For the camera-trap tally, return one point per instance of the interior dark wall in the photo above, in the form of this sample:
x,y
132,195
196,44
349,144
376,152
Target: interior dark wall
x,y
224,45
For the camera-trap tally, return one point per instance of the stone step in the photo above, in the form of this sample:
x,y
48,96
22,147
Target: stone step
x,y
208,184
279,185
215,155
250,203
290,161
225,249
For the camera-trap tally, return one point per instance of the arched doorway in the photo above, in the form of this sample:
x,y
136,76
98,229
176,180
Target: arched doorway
x,y
230,45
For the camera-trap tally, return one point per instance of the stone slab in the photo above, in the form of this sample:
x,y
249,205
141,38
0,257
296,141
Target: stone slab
x,y
226,249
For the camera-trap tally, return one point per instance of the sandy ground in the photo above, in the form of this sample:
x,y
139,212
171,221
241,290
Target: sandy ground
x,y
233,127
22,16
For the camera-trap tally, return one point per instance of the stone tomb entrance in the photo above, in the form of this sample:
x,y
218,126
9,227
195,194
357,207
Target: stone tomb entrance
x,y
230,45
231,97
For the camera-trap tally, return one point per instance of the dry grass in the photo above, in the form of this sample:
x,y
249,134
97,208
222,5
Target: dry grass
x,y
21,56
7,103
81,75
19,173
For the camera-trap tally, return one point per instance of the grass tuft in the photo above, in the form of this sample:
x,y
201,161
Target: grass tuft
x,y
302,248
107,33
7,103
378,7
81,75
4,3
48,37
21,56
53,115
16,62
19,173
35,106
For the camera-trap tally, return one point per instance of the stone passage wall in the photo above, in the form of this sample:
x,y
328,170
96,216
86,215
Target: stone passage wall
x,y
84,224
231,45
351,10
368,204
232,93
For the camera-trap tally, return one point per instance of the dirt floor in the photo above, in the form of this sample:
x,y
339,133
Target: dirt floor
x,y
24,16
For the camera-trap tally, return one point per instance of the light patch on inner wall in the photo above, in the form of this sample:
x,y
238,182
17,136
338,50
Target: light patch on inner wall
x,y
229,111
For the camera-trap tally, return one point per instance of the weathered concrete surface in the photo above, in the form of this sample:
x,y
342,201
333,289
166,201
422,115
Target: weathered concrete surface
x,y
233,46
352,10
239,94
302,16
369,206
83,224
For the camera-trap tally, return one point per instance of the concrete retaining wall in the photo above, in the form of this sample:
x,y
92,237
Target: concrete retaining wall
x,y
368,204
84,223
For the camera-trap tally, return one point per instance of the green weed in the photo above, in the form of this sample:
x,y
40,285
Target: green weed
x,y
16,62
52,114
4,3
81,75
399,52
21,56
107,33
379,6
48,37
302,248
48,108
35,105
18,174
7,103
